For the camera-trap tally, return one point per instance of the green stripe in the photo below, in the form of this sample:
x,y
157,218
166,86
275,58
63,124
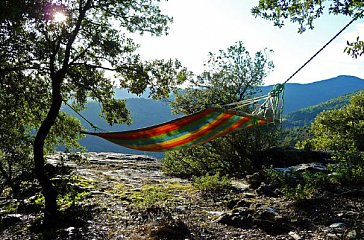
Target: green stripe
x,y
215,131
170,135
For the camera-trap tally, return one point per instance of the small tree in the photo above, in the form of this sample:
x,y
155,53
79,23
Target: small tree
x,y
58,51
232,75
339,130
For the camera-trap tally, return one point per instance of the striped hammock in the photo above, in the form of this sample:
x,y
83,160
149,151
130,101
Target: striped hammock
x,y
200,127
194,129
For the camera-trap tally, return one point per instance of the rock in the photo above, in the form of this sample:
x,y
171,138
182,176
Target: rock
x,y
243,203
216,213
249,195
241,217
294,235
333,236
240,185
338,226
351,234
180,208
270,221
255,179
236,203
268,213
10,220
266,190
336,230
309,167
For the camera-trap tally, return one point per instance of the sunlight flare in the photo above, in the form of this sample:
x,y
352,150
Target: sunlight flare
x,y
59,17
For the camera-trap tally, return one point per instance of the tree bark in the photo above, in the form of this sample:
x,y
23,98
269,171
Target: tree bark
x,y
10,182
49,193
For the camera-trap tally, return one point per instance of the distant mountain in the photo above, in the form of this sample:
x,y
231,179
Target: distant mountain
x,y
299,96
306,116
121,93
146,112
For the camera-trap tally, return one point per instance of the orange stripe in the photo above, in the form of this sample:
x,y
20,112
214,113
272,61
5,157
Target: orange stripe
x,y
232,128
197,134
156,130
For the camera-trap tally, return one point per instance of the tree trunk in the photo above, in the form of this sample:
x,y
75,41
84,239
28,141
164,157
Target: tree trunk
x,y
49,193
10,182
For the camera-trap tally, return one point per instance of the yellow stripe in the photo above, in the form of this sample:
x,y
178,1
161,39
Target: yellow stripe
x,y
181,137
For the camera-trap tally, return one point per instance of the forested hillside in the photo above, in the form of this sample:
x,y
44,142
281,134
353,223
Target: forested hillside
x,y
299,96
307,115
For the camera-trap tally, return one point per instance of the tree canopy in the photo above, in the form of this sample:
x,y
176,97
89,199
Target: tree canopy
x,y
71,51
231,75
340,129
305,12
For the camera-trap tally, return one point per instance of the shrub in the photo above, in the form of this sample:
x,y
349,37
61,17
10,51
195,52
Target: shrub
x,y
212,183
348,168
295,185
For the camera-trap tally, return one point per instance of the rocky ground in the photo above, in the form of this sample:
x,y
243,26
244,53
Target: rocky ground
x,y
116,196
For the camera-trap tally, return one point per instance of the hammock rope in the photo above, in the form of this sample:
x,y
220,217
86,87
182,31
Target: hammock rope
x,y
325,45
208,124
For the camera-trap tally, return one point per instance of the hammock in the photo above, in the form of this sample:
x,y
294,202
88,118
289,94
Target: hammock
x,y
194,129
198,128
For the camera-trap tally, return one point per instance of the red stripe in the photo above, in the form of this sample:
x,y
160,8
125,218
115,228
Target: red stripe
x,y
191,138
236,125
156,130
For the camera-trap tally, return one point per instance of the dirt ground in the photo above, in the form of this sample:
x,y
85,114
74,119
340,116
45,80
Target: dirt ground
x,y
129,197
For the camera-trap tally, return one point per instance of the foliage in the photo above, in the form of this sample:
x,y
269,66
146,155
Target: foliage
x,y
339,130
212,183
152,196
348,168
290,137
305,116
71,199
296,185
355,48
232,75
45,62
234,154
306,12
65,200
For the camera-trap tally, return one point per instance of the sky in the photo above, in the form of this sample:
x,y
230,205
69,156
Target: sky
x,y
203,26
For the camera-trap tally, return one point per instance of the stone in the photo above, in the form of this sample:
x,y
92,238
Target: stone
x,y
294,235
268,213
338,225
351,234
333,236
255,179
180,208
239,218
240,185
267,219
249,195
266,190
236,203
10,220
